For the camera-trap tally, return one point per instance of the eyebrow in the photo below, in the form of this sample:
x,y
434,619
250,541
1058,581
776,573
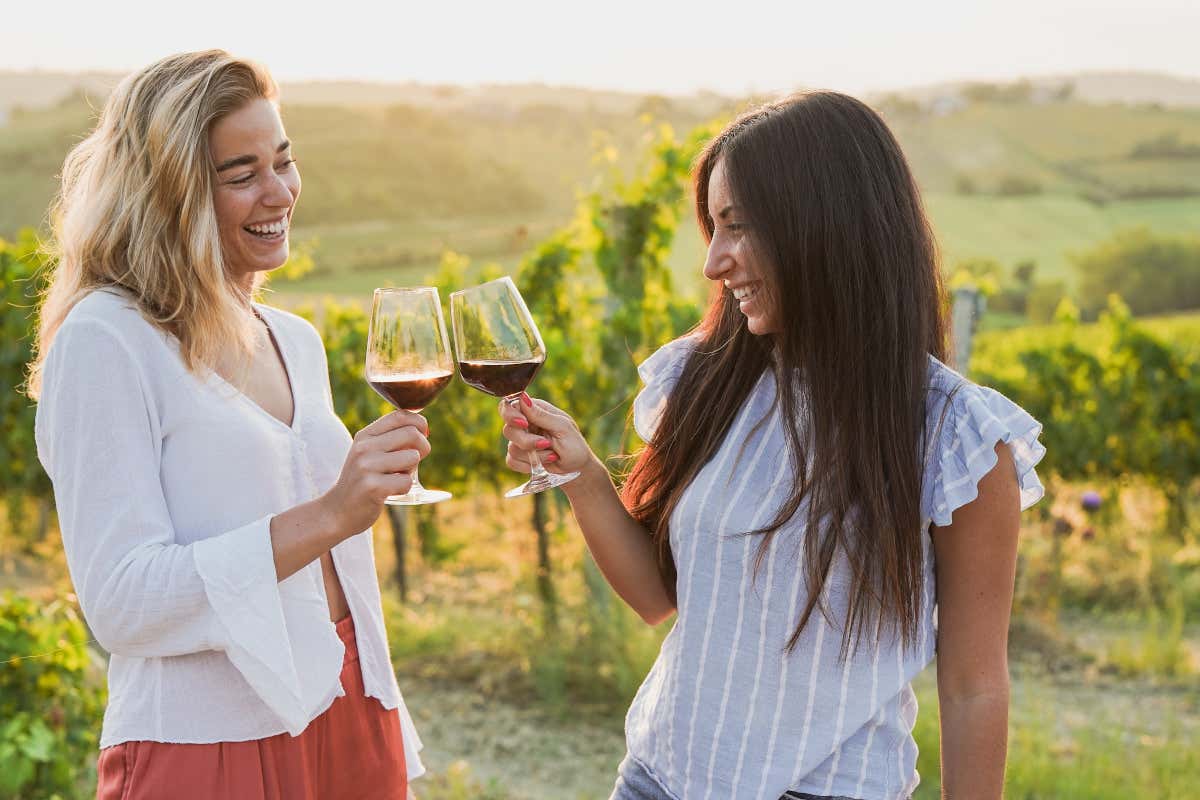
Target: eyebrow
x,y
238,161
724,212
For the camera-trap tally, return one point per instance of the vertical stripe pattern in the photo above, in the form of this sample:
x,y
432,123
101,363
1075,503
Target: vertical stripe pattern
x,y
727,712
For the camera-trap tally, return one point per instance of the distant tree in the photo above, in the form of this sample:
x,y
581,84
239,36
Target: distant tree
x,y
1023,272
983,274
895,105
1043,299
964,184
1166,145
1009,93
1065,92
1013,296
655,106
1017,186
1151,272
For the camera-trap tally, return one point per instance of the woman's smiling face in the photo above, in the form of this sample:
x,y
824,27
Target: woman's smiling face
x,y
255,190
731,257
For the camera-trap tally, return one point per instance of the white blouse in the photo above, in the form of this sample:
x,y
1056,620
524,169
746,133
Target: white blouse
x,y
166,483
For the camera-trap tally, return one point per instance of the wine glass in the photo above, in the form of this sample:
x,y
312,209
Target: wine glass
x,y
409,362
499,351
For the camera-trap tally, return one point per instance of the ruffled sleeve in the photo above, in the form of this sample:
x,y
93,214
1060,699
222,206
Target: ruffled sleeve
x,y
964,430
659,373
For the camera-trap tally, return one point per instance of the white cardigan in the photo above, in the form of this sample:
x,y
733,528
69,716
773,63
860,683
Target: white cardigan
x,y
166,483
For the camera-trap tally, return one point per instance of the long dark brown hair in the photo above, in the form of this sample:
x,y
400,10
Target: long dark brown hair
x,y
847,256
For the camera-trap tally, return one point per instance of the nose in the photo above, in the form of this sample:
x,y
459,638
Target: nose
x,y
279,193
720,261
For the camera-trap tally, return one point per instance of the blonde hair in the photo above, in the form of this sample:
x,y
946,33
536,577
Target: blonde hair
x,y
135,208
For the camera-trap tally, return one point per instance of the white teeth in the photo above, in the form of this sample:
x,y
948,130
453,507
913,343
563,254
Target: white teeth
x,y
744,292
272,228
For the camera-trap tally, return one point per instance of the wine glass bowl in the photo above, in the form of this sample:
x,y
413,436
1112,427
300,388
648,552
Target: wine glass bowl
x,y
409,361
499,352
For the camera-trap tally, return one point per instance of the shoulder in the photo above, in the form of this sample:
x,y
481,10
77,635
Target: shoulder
x,y
667,362
964,424
660,372
108,307
945,383
108,320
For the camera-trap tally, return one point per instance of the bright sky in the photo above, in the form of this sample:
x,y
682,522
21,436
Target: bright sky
x,y
643,45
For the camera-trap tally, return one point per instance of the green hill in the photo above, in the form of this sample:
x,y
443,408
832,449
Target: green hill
x,y
488,170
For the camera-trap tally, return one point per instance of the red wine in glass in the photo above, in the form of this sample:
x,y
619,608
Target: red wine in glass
x,y
408,391
499,352
409,362
499,378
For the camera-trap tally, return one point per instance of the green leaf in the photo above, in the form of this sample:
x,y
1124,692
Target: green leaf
x,y
40,744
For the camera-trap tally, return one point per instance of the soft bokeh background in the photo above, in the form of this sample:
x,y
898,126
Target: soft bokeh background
x,y
1057,145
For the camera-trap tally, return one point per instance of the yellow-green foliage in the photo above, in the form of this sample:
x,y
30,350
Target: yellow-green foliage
x,y
21,476
1117,400
50,701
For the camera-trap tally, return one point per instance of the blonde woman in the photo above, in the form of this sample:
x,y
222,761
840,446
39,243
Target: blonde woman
x,y
215,512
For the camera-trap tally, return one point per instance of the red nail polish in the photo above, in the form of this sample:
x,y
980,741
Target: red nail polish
x,y
550,459
520,422
526,399
543,444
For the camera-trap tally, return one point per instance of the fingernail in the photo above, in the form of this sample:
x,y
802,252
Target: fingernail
x,y
550,459
520,422
543,444
527,400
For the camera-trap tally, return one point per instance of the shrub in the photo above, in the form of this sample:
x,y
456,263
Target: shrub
x,y
1151,272
51,704
1017,186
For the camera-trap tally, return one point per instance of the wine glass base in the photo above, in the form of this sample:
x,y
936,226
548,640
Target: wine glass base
x,y
418,497
540,484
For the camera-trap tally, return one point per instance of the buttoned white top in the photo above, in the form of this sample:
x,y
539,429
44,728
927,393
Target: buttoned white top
x,y
727,711
165,483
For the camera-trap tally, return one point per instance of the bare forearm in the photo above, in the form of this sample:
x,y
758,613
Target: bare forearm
x,y
620,545
301,535
379,463
974,745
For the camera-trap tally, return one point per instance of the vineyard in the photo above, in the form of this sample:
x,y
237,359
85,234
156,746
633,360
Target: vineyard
x,y
506,639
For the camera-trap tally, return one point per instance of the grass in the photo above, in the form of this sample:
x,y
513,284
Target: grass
x,y
1044,228
1105,700
1073,741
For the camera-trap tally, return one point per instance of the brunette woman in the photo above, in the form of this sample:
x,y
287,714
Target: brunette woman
x,y
822,502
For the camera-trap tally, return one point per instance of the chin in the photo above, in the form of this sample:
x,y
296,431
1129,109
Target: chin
x,y
275,261
759,326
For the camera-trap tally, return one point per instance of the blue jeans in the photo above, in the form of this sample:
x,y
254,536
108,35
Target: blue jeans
x,y
635,783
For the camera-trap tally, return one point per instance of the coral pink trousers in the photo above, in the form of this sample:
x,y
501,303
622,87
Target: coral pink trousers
x,y
353,750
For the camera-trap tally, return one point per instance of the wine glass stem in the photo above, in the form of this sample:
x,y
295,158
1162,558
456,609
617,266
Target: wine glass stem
x,y
536,470
416,483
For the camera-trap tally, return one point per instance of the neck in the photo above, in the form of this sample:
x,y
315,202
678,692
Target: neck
x,y
243,288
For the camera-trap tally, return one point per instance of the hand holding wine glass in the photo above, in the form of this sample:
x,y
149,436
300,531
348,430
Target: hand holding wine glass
x,y
499,352
557,441
409,362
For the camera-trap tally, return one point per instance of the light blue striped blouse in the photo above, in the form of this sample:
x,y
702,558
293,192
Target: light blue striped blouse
x,y
725,712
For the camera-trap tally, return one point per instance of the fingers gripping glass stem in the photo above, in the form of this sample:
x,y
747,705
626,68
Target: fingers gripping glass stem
x,y
539,479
